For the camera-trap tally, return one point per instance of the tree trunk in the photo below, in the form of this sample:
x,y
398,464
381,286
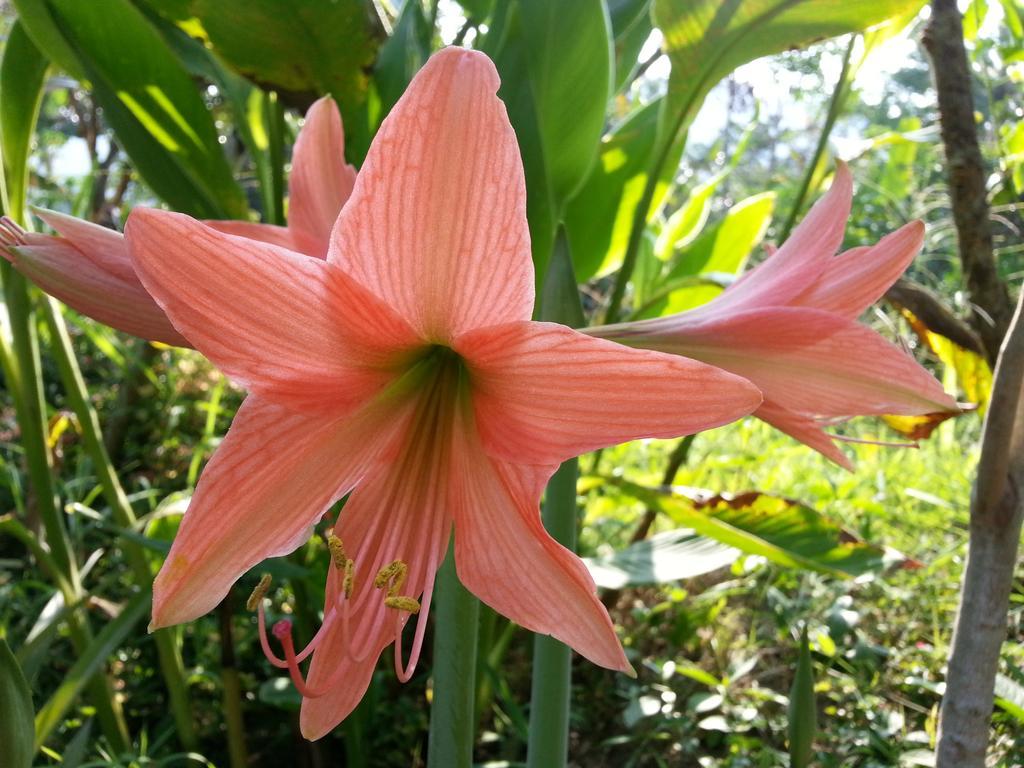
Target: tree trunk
x,y
990,300
996,512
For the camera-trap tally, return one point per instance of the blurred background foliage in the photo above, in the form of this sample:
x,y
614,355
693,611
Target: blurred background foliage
x,y
195,104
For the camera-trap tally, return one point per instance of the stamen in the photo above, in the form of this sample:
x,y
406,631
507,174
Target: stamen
x,y
392,576
348,584
405,674
259,593
337,549
402,603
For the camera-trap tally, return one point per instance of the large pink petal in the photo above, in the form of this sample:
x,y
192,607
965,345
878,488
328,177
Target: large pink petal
x,y
264,233
797,265
401,512
273,477
436,224
856,279
321,181
65,273
544,393
506,558
290,327
803,359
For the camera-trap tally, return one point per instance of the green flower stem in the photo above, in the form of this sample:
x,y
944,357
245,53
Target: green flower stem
x,y
452,724
169,654
552,671
27,385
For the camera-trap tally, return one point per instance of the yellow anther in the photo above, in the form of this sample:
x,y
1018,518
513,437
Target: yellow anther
x,y
259,593
348,584
337,552
402,603
392,576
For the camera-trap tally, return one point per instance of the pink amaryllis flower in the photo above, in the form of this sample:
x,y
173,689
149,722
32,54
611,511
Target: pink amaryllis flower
x,y
88,266
790,326
405,371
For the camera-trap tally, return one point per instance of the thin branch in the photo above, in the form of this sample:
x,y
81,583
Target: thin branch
x,y
933,312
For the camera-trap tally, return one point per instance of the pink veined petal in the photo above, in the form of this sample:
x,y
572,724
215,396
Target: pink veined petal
x,y
61,270
805,429
803,359
856,279
106,248
543,393
321,181
292,328
272,478
505,557
401,512
799,262
436,224
264,233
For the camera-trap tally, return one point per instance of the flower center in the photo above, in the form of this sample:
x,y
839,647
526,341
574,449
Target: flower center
x,y
435,384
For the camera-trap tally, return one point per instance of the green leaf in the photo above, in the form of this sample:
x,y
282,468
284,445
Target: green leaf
x,y
302,48
35,649
1010,696
570,69
803,716
22,72
898,174
974,17
147,96
560,299
401,56
17,729
783,531
1013,16
721,250
661,559
599,218
631,27
685,224
257,115
87,663
505,44
726,246
708,39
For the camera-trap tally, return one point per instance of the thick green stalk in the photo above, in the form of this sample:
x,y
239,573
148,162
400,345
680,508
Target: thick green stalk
x,y
549,698
552,661
237,752
835,107
171,665
452,723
